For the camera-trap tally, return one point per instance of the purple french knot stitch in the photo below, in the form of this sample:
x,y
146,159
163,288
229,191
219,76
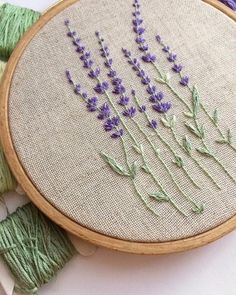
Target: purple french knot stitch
x,y
184,81
162,107
152,124
177,68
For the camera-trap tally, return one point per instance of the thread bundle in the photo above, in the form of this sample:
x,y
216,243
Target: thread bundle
x,y
7,181
33,247
14,22
230,3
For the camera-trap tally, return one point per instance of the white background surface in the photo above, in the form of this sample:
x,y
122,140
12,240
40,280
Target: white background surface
x,y
209,270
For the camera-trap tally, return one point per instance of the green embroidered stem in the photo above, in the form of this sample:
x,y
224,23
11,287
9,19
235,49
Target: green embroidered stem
x,y
148,170
188,152
133,181
178,159
33,248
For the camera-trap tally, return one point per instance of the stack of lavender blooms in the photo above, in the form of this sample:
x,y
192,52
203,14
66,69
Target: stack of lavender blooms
x,y
122,106
193,107
117,122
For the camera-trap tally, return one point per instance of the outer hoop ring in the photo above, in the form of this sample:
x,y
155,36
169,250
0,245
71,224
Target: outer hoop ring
x,y
52,212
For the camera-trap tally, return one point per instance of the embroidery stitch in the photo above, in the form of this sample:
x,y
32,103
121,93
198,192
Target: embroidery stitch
x,y
85,56
199,130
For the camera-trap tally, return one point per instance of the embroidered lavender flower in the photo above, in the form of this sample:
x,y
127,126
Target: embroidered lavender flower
x,y
172,57
104,112
142,109
153,124
155,95
177,68
94,73
130,112
162,107
119,89
101,88
123,101
140,30
184,81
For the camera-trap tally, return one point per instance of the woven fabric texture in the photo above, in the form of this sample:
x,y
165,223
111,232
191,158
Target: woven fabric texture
x,y
58,142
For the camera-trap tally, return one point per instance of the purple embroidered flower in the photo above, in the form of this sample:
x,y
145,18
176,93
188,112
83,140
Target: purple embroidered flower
x,y
152,124
77,88
116,81
146,80
119,89
143,47
139,30
71,34
108,63
111,74
88,63
140,40
126,52
184,81
80,48
111,123
130,112
117,134
142,109
158,38
123,101
104,112
69,78
149,58
172,57
67,22
156,97
177,68
162,107
137,21
166,49
92,104
94,73
151,89
101,87
85,55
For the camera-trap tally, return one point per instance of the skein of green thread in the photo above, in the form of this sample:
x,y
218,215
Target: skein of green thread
x,y
2,67
7,180
14,22
33,247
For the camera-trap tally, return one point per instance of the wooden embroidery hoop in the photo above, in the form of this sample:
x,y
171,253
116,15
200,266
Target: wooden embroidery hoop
x,y
52,212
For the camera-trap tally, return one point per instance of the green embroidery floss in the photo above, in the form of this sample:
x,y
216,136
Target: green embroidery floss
x,y
33,247
14,22
7,181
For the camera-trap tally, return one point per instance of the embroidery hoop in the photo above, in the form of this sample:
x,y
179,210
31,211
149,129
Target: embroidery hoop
x,y
52,212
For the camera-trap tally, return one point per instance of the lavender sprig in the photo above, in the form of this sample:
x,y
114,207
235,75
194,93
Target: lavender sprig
x,y
165,80
111,123
130,112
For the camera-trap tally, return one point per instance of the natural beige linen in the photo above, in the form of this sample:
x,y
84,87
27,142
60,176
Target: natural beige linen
x,y
58,141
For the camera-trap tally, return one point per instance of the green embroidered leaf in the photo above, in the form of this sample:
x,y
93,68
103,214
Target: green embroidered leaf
x,y
229,136
160,196
165,122
138,148
178,161
164,79
114,165
204,152
215,117
173,121
133,170
193,130
222,141
201,131
198,209
196,101
188,114
187,145
145,169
